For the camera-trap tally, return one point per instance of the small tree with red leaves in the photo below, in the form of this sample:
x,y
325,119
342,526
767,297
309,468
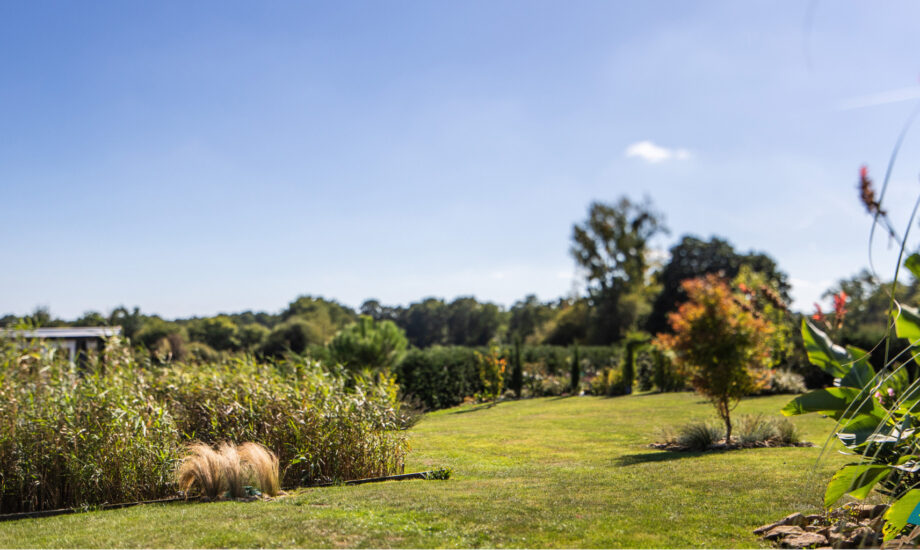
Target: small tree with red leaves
x,y
720,343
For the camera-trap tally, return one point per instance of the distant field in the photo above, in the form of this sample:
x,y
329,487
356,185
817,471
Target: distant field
x,y
559,472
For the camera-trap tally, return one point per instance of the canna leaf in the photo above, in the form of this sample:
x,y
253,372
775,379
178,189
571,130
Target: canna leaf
x,y
857,430
899,513
907,325
861,372
913,264
834,400
855,479
823,353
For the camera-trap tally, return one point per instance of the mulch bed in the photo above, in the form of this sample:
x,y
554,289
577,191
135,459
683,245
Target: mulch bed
x,y
722,446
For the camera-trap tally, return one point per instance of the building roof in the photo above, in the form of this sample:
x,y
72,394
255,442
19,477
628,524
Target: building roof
x,y
63,332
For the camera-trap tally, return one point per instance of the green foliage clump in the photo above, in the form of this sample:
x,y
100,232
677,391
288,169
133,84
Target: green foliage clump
x,y
369,344
665,374
491,372
609,382
114,432
319,428
220,333
69,438
439,377
293,335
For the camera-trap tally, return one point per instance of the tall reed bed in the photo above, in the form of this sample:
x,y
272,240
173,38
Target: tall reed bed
x,y
116,430
322,425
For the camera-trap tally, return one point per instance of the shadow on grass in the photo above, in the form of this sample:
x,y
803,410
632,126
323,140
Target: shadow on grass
x,y
662,456
476,408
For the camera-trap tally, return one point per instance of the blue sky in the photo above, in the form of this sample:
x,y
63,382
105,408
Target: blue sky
x,y
192,158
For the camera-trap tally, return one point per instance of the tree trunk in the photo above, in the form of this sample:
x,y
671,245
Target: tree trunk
x,y
728,429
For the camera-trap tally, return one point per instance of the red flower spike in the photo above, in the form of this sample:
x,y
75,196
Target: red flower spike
x,y
818,315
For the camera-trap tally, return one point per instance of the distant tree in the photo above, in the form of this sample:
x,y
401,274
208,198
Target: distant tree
x,y
252,335
220,333
425,322
692,258
91,319
292,335
369,344
307,307
470,323
527,316
249,318
378,312
129,321
41,317
612,247
569,325
154,330
719,343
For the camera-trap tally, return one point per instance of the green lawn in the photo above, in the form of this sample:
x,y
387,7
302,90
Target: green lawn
x,y
551,472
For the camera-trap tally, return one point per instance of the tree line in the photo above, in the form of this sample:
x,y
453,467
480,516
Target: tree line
x,y
627,293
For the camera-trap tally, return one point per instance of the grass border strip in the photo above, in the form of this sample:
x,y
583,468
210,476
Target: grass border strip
x,y
443,473
63,511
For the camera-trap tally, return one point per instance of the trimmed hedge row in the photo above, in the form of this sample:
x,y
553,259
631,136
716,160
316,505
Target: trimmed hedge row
x,y
441,377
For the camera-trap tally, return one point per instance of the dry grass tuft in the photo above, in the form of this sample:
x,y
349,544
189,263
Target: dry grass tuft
x,y
202,468
226,470
233,470
262,465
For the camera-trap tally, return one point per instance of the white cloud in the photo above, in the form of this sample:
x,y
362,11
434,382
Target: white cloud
x,y
880,98
649,152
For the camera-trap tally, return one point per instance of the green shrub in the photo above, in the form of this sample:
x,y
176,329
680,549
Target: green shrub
x,y
645,369
439,377
665,374
609,382
198,352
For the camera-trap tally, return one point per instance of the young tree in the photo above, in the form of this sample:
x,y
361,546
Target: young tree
x,y
720,342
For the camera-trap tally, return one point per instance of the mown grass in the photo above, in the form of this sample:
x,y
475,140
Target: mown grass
x,y
550,472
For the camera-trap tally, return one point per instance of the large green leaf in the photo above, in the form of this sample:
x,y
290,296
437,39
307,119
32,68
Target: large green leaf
x,y
897,515
855,479
907,325
833,400
861,372
913,264
823,353
856,430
